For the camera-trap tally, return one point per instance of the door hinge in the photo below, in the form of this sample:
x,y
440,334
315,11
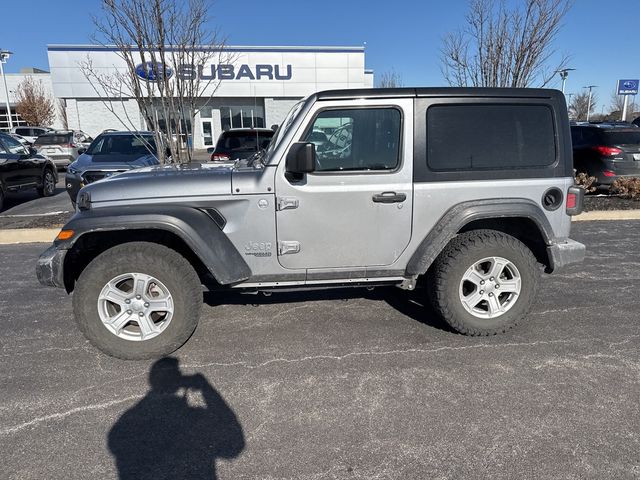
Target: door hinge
x,y
288,247
287,203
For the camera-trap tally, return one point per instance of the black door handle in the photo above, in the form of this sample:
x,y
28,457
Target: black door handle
x,y
389,197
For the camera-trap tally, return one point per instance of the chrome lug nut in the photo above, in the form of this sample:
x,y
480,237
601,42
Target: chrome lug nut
x,y
146,305
481,282
138,297
491,294
481,292
141,314
127,301
129,312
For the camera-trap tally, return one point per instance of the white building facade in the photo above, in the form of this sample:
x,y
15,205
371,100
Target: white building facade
x,y
256,88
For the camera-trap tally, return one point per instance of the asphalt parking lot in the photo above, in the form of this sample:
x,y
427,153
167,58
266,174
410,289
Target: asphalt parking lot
x,y
312,386
25,209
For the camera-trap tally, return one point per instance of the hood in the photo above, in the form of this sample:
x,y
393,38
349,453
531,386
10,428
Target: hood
x,y
112,162
164,181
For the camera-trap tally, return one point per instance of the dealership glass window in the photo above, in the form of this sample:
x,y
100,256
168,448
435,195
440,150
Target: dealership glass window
x,y
247,116
489,136
356,139
206,112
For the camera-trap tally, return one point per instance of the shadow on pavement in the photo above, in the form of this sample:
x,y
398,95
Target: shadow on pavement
x,y
414,305
178,430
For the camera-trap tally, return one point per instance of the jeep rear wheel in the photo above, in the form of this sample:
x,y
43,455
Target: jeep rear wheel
x,y
484,282
138,300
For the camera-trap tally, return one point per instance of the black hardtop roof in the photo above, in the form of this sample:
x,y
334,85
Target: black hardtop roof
x,y
411,92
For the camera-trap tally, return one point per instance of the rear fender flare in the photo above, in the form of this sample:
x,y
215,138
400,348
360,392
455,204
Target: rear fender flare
x,y
462,214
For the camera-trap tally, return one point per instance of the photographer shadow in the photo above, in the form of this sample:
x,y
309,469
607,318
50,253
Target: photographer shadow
x,y
178,430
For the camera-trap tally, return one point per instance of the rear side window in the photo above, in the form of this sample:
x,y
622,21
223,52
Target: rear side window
x,y
489,137
53,139
25,132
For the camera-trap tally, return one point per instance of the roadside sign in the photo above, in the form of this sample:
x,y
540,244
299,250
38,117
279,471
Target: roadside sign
x,y
628,87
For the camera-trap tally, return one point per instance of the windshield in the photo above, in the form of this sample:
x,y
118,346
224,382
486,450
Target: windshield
x,y
622,137
243,141
288,121
134,145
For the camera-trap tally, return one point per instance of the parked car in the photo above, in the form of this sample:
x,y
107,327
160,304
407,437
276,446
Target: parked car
x,y
241,143
415,186
606,151
62,146
109,154
23,168
30,133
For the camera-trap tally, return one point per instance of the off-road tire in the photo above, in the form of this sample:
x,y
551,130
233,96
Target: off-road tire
x,y
44,191
461,253
163,263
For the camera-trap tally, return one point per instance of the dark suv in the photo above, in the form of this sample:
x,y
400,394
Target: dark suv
x,y
606,151
241,143
22,168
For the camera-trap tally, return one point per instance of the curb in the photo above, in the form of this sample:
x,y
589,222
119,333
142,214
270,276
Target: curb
x,y
28,235
608,215
47,235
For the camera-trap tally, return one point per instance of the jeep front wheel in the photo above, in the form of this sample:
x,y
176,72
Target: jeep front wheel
x,y
138,300
484,282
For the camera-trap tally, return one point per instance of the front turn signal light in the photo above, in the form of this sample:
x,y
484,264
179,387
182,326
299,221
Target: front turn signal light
x,y
65,235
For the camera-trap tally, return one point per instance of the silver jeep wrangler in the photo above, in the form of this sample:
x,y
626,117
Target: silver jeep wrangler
x,y
469,189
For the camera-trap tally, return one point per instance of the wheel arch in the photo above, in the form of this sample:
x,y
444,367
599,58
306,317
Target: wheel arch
x,y
191,232
518,217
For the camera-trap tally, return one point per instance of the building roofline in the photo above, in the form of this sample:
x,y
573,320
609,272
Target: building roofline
x,y
227,48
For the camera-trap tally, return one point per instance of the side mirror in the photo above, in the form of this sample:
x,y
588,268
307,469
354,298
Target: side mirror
x,y
32,151
81,150
301,158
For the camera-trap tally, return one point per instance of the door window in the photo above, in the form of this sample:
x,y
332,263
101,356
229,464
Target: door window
x,y
356,139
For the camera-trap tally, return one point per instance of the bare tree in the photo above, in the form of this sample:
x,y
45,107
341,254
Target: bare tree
x,y
502,46
390,79
580,105
617,105
34,104
165,45
62,113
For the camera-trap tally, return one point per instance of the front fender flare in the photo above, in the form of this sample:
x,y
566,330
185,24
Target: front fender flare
x,y
192,225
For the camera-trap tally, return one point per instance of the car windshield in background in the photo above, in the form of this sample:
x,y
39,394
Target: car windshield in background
x,y
133,145
243,141
53,139
622,138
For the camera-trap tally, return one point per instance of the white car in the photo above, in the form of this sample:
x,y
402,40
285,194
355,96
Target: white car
x,y
30,133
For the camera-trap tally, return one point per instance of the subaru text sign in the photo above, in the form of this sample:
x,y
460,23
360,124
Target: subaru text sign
x,y
628,87
149,71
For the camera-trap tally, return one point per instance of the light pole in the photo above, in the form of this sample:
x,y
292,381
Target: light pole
x,y
590,87
4,56
564,73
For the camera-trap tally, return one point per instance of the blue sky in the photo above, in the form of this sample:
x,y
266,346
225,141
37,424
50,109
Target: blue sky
x,y
403,35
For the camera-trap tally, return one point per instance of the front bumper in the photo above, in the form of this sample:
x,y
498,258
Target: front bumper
x,y
50,267
566,252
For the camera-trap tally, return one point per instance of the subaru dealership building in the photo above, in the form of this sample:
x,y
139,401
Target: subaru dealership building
x,y
257,88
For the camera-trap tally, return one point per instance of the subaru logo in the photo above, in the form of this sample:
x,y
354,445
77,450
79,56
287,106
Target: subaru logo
x,y
629,84
153,72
